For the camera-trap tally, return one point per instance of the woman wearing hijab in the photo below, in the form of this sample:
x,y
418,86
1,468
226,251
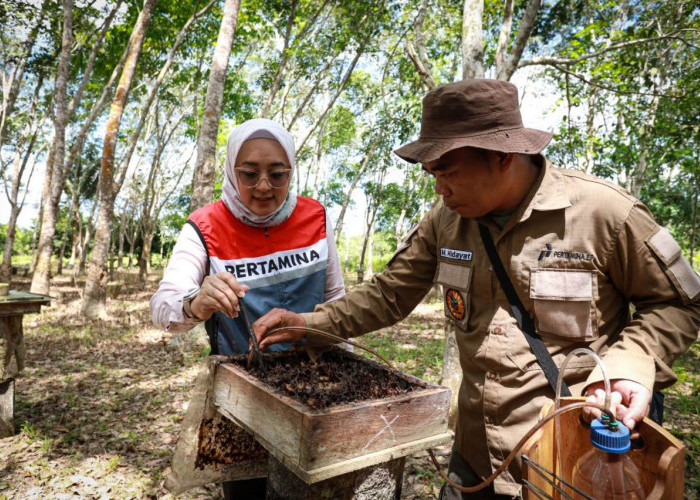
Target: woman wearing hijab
x,y
260,243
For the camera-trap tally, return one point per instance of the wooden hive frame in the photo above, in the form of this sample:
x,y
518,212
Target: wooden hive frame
x,y
661,460
321,444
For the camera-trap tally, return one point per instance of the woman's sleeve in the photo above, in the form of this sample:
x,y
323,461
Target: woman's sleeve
x,y
335,287
184,274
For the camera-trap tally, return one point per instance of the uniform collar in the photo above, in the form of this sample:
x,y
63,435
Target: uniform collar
x,y
547,193
551,192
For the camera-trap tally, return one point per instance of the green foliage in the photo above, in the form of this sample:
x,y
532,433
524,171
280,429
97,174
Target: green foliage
x,y
627,111
23,240
349,252
642,135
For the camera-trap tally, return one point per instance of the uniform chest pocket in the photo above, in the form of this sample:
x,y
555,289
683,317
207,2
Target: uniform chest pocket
x,y
456,282
564,303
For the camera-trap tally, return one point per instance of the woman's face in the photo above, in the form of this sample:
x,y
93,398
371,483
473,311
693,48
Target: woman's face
x,y
263,161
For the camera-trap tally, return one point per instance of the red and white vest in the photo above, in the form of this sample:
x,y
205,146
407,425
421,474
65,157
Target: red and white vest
x,y
284,265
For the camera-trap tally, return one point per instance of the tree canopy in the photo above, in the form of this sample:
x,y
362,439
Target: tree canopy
x,y
346,78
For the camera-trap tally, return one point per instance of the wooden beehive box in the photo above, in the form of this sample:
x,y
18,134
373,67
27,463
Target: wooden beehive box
x,y
321,444
661,459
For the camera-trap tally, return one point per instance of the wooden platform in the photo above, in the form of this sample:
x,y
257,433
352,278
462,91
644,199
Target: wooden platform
x,y
13,307
322,444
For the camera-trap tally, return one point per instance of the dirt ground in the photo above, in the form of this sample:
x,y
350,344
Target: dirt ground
x,y
99,404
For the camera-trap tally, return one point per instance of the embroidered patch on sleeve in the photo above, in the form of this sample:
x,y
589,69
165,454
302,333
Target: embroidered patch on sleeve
x,y
454,303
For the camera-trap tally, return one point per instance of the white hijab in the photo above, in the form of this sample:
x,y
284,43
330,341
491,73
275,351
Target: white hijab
x,y
254,129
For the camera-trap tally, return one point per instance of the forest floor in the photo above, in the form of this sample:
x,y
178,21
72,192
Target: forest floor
x,y
100,403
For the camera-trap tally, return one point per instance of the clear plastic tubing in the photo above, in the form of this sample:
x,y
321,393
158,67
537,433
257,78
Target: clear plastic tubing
x,y
606,380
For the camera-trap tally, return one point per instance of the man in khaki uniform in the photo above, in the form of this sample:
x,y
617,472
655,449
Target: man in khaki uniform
x,y
578,251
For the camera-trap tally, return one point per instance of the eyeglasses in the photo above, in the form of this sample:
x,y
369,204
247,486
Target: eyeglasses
x,y
252,178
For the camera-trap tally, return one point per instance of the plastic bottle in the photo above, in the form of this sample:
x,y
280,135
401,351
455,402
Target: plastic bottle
x,y
606,472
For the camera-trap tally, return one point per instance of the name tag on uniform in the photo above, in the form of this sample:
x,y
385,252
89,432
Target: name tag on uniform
x,y
451,253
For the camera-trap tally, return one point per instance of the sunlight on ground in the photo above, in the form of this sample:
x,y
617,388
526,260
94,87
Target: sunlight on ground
x,y
100,403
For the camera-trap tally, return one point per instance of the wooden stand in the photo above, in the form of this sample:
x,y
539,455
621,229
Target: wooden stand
x,y
379,482
661,459
12,308
349,451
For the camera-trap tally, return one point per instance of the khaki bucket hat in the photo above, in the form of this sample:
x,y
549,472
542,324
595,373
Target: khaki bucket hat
x,y
477,113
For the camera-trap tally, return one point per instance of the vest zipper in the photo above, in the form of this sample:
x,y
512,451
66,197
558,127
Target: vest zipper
x,y
265,230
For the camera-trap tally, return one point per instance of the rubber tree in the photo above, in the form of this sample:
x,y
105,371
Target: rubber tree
x,y
205,164
57,168
93,303
13,68
54,164
23,152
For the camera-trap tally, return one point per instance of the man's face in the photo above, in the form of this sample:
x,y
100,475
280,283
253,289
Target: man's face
x,y
267,158
469,180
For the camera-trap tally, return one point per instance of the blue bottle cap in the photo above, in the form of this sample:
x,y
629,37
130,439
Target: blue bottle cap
x,y
611,440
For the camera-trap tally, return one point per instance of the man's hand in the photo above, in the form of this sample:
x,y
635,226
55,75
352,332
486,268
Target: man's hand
x,y
629,401
278,318
219,292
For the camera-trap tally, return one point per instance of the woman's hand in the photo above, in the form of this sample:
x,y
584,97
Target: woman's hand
x,y
629,401
219,292
278,318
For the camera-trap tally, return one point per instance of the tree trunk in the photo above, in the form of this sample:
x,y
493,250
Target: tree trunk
x,y
408,190
504,39
509,64
419,54
353,184
287,50
303,106
120,249
35,236
6,269
151,208
339,91
637,179
284,59
77,236
61,253
694,221
18,168
205,165
145,257
346,260
590,131
93,304
54,164
153,92
9,97
132,246
57,169
371,214
472,39
370,254
319,167
89,232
